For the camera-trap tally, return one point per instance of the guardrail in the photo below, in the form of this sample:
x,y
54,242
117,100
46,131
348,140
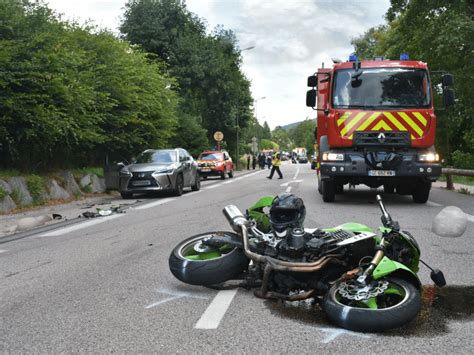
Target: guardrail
x,y
449,172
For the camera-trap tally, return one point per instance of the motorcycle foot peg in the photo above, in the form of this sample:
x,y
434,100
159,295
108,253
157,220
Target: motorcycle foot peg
x,y
438,277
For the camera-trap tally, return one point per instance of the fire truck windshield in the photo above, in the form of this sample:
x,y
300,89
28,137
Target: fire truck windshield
x,y
378,88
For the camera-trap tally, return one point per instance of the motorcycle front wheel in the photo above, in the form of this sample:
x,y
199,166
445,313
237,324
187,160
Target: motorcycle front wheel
x,y
395,304
195,263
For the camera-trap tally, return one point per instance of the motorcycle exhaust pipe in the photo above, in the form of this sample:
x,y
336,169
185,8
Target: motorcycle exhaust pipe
x,y
235,218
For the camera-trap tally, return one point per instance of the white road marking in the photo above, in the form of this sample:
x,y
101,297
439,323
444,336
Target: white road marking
x,y
433,204
79,226
213,315
3,251
290,182
174,296
288,189
297,172
153,204
212,186
336,332
192,193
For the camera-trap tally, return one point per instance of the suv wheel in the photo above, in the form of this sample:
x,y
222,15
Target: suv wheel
x,y
197,183
126,195
179,187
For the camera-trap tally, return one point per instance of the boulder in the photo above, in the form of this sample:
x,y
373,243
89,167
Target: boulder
x,y
70,184
20,189
5,186
7,204
56,192
451,222
95,184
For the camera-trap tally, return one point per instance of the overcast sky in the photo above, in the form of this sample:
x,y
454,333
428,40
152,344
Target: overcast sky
x,y
291,39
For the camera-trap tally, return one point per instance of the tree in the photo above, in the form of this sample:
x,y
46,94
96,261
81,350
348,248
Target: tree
x,y
281,137
266,132
303,135
206,66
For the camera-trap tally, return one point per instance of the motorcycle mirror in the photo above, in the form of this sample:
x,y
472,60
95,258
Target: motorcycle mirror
x,y
438,277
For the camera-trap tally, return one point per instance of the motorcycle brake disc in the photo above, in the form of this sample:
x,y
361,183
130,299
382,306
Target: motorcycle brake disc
x,y
353,291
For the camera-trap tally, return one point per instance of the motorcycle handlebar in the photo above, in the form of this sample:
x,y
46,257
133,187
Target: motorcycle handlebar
x,y
386,215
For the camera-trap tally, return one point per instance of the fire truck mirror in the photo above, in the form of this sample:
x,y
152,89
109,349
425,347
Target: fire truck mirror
x,y
448,97
312,81
447,80
311,98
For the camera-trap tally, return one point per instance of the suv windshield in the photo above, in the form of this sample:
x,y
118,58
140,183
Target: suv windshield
x,y
211,156
381,88
157,156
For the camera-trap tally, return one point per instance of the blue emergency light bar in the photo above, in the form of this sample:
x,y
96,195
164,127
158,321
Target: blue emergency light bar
x,y
353,58
404,56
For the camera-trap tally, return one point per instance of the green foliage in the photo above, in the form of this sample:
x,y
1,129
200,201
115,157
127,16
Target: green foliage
x,y
440,33
304,135
15,195
266,132
282,138
3,193
87,189
96,170
75,93
206,66
463,160
464,191
268,144
8,173
36,188
190,135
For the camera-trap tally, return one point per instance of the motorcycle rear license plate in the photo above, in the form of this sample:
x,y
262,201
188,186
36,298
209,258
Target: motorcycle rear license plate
x,y
141,183
381,172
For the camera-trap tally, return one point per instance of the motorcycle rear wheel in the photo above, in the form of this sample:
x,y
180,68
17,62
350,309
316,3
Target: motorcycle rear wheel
x,y
196,264
396,306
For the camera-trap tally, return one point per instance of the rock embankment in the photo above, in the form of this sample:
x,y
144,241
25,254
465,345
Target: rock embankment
x,y
18,191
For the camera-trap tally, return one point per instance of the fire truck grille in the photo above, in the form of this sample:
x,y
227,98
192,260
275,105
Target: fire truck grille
x,y
392,139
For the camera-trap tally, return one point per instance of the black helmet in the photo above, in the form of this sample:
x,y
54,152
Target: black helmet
x,y
287,211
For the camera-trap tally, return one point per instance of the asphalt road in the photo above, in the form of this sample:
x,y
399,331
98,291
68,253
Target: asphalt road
x,y
105,286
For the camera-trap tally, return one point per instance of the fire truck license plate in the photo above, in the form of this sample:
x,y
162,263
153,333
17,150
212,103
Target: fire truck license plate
x,y
205,170
381,172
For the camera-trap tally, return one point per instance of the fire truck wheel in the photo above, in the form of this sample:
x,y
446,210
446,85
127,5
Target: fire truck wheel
x,y
388,189
339,189
329,191
422,192
320,186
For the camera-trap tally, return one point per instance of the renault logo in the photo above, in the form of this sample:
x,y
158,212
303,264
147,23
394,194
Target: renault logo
x,y
381,137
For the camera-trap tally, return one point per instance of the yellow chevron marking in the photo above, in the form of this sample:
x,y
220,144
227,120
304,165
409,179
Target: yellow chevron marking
x,y
395,121
382,124
412,124
421,118
368,121
352,123
344,117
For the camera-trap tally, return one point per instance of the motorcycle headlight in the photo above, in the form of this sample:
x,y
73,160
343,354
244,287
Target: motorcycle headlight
x,y
429,157
328,156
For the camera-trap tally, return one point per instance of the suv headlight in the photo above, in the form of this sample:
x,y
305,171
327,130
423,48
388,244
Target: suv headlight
x,y
429,157
328,156
163,171
125,173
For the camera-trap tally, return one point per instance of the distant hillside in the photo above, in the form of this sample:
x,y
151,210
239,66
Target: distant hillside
x,y
290,126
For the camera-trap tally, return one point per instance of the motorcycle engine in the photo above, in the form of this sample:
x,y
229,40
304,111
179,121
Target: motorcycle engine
x,y
299,245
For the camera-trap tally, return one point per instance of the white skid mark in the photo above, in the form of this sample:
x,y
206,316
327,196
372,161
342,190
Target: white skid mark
x,y
3,251
78,226
333,333
153,204
470,217
213,315
174,296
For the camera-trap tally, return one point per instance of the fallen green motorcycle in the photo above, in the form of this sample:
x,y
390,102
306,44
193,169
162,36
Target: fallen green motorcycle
x,y
364,282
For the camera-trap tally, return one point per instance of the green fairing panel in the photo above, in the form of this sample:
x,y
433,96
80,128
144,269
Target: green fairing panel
x,y
265,201
388,266
353,227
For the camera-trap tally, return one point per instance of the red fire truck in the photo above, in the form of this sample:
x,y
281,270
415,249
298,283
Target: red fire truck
x,y
376,125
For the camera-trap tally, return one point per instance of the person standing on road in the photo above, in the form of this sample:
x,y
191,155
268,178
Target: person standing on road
x,y
261,160
276,162
269,161
254,161
248,161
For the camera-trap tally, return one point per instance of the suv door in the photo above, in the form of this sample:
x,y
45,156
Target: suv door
x,y
186,167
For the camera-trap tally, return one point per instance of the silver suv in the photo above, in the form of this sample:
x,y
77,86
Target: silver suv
x,y
159,170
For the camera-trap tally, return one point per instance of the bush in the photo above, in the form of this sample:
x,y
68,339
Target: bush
x,y
3,193
35,185
463,160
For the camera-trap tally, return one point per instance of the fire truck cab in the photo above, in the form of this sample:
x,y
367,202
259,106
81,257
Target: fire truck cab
x,y
376,126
